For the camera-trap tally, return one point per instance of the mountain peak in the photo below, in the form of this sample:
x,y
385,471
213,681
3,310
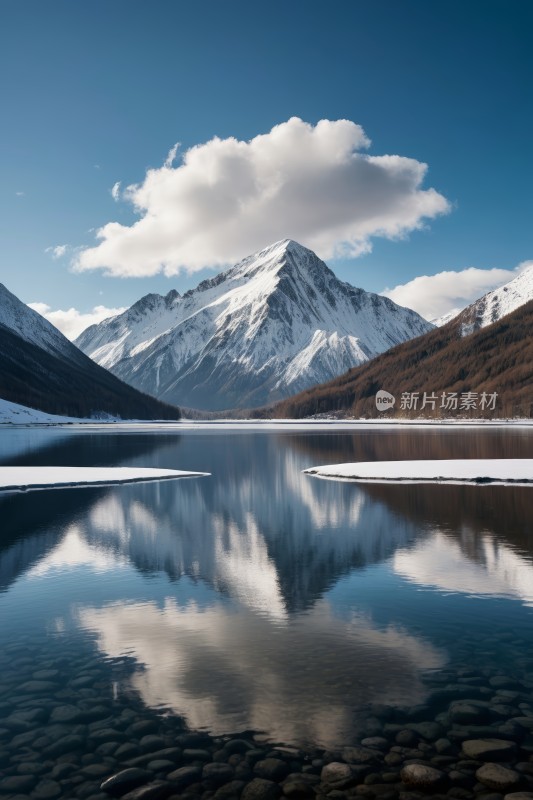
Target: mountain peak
x,y
277,321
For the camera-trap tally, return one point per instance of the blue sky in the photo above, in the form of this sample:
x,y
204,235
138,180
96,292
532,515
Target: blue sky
x,y
97,92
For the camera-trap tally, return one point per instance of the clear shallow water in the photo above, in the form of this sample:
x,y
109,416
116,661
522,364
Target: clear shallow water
x,y
258,598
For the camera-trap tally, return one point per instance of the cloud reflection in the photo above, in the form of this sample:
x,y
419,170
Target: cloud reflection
x,y
227,670
445,563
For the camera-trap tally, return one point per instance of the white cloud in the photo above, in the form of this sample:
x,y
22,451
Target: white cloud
x,y
20,194
58,251
115,191
228,198
72,322
434,296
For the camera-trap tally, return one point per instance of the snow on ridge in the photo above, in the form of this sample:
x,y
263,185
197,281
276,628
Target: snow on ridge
x,y
277,321
498,303
31,326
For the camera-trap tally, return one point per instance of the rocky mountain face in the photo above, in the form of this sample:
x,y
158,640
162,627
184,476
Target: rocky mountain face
x,y
277,322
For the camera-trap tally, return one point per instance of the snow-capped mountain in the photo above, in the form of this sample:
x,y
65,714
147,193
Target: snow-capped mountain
x,y
32,327
276,323
493,305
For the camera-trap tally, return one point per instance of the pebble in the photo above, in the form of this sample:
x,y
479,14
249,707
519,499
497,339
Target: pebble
x,y
261,789
495,776
66,744
184,776
217,774
17,783
489,749
150,743
230,790
336,774
66,714
47,790
519,796
152,791
125,780
421,776
273,769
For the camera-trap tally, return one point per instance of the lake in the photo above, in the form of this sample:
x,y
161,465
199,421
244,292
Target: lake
x,y
258,603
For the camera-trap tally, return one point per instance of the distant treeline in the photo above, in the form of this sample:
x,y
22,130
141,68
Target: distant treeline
x,y
496,359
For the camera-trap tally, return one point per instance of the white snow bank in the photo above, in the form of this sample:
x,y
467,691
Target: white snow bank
x,y
17,478
474,470
18,415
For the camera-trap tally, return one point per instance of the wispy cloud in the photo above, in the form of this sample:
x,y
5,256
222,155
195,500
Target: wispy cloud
x,y
115,191
172,153
434,296
228,198
72,322
58,251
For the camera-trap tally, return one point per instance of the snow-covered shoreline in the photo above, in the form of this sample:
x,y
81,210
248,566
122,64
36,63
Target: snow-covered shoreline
x,y
14,479
12,415
479,471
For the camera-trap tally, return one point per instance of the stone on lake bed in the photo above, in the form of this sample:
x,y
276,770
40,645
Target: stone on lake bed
x,y
196,754
360,755
427,730
376,742
66,744
217,774
161,765
184,776
38,687
261,789
524,722
230,790
47,790
150,743
125,780
66,714
273,769
421,776
152,791
489,749
495,776
519,796
465,712
17,783
237,746
337,774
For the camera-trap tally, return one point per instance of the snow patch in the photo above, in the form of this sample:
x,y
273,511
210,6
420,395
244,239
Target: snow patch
x,y
474,470
20,478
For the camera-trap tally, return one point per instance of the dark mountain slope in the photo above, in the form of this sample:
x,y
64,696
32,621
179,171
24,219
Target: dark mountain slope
x,y
73,386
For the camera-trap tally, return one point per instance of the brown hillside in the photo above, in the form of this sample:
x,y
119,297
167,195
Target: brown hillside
x,y
497,359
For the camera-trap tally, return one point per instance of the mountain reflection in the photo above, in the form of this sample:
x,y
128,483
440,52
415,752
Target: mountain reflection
x,y
274,544
228,670
226,592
